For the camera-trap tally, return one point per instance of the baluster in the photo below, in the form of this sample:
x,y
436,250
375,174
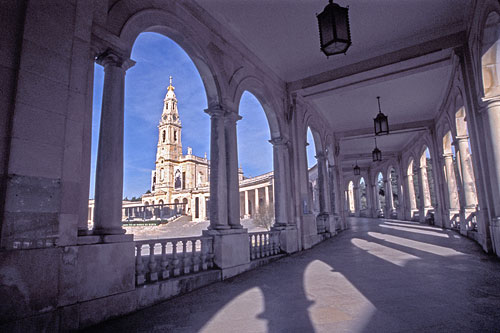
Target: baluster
x,y
268,245
250,246
186,260
152,274
165,274
195,257
210,252
257,246
261,245
175,259
204,254
139,266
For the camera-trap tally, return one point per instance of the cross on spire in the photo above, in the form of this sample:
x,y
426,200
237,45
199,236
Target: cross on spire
x,y
171,87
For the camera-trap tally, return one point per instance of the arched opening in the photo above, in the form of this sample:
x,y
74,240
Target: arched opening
x,y
464,165
489,59
350,198
312,146
197,207
363,200
426,187
380,194
392,178
256,170
449,170
412,208
152,139
186,208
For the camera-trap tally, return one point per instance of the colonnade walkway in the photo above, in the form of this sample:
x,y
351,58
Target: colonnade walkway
x,y
377,276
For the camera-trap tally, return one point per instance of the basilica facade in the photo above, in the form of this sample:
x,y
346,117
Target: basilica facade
x,y
185,178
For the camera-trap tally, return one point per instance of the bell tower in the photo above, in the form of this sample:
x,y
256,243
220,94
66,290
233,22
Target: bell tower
x,y
169,138
169,148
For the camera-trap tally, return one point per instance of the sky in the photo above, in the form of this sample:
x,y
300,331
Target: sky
x,y
158,57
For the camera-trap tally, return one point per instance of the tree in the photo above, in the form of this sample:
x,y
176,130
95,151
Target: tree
x,y
265,217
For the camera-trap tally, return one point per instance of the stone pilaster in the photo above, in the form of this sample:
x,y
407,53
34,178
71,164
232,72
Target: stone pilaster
x,y
109,171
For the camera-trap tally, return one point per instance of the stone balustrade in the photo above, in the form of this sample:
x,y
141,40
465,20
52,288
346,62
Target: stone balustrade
x,y
161,259
26,243
264,244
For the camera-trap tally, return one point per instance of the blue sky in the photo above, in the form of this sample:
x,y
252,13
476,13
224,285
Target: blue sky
x,y
158,57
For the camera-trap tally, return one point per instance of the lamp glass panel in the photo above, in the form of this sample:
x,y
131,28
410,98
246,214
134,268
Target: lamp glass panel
x,y
340,16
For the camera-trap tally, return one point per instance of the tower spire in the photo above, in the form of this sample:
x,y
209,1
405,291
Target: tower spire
x,y
171,87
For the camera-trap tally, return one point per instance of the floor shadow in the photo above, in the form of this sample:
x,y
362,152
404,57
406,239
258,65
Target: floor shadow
x,y
354,282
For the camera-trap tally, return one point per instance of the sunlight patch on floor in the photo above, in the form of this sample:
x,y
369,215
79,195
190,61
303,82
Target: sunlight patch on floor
x,y
416,226
416,231
386,253
426,247
242,311
324,287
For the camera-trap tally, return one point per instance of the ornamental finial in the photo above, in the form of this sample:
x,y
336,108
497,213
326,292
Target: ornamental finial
x,y
170,87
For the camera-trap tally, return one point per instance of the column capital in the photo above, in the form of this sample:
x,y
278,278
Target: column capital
x,y
232,116
460,138
112,58
215,111
321,156
279,141
487,103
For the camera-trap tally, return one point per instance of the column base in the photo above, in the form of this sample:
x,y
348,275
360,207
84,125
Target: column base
x,y
289,242
309,235
231,250
495,235
108,231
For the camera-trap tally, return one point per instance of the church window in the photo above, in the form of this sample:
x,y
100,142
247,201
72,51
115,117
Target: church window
x,y
184,180
177,181
162,173
163,135
175,136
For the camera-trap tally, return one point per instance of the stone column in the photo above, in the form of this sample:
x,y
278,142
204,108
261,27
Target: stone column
x,y
357,200
468,184
109,170
280,192
453,201
412,202
232,170
256,205
247,214
425,197
322,185
218,170
266,193
389,202
491,120
376,202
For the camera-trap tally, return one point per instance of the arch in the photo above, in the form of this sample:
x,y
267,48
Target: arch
x,y
128,19
489,53
255,87
363,195
350,197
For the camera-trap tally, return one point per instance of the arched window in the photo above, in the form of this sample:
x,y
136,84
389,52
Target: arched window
x,y
163,136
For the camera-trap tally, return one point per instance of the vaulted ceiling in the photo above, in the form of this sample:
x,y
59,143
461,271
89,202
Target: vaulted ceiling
x,y
401,51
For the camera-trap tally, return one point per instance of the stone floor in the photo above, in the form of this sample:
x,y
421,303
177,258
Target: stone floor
x,y
378,276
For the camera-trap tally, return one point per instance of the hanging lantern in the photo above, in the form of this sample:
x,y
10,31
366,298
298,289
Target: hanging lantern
x,y
376,153
334,31
381,123
357,169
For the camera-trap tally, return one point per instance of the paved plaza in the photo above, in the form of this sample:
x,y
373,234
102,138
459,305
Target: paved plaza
x,y
378,276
